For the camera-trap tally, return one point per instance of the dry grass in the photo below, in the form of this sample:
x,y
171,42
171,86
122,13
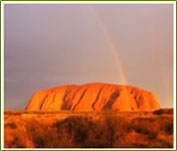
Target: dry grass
x,y
106,129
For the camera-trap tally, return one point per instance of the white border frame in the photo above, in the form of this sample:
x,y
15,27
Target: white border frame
x,y
87,2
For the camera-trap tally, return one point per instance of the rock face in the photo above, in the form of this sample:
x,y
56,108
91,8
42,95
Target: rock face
x,y
94,96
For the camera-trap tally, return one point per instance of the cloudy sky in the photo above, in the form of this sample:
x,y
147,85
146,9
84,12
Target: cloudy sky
x,y
50,45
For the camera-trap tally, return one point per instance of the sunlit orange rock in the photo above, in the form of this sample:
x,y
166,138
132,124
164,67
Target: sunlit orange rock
x,y
94,96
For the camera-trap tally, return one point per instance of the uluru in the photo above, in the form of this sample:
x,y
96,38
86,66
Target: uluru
x,y
93,97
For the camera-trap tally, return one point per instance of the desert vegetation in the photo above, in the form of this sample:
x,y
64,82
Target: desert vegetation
x,y
106,129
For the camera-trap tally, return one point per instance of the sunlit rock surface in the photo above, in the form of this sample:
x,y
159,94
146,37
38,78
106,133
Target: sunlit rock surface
x,y
93,97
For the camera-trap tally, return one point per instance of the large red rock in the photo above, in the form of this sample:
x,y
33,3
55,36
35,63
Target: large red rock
x,y
94,96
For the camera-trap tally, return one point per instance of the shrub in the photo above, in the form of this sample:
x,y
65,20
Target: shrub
x,y
158,112
16,142
160,143
86,132
152,135
163,111
169,128
82,131
42,136
11,125
141,129
144,126
95,143
74,128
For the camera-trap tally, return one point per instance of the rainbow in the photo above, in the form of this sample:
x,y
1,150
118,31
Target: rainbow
x,y
112,45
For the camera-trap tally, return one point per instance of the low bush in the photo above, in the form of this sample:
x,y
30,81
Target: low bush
x,y
163,111
88,133
80,130
141,129
16,142
11,125
168,128
144,126
107,130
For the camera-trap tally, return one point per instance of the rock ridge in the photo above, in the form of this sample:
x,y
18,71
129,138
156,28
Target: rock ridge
x,y
93,97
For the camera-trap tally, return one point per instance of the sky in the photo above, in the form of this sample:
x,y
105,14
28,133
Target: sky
x,y
47,45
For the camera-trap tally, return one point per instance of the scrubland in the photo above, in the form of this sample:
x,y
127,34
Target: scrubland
x,y
108,129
